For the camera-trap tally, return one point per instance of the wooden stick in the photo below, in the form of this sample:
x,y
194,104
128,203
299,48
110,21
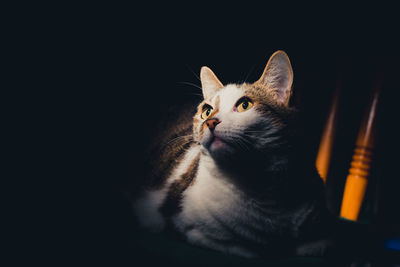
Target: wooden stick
x,y
357,178
328,135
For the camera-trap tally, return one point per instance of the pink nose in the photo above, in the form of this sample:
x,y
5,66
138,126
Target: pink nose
x,y
211,123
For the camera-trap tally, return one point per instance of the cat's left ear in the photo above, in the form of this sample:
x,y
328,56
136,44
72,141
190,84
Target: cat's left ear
x,y
209,82
277,77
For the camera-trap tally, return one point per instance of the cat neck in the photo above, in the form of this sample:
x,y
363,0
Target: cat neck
x,y
270,177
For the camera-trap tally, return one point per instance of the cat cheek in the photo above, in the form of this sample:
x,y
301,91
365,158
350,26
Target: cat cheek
x,y
203,129
205,137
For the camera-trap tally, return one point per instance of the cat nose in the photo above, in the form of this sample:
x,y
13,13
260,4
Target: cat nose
x,y
211,123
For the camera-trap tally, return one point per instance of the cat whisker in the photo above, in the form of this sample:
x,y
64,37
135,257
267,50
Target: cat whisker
x,y
195,94
240,144
179,138
192,84
243,142
195,75
248,73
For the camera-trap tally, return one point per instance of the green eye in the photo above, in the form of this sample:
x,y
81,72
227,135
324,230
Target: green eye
x,y
206,113
244,105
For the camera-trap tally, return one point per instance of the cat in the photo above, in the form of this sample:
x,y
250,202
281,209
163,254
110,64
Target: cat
x,y
233,177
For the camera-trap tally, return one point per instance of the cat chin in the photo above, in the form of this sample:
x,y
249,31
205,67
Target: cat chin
x,y
220,150
217,144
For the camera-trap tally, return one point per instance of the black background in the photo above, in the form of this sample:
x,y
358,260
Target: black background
x,y
115,70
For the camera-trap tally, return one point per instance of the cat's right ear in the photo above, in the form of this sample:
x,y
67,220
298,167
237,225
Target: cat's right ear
x,y
277,77
209,82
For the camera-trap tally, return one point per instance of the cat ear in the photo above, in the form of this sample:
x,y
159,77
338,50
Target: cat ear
x,y
209,82
278,77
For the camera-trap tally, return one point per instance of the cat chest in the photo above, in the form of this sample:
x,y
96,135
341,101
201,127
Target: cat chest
x,y
211,203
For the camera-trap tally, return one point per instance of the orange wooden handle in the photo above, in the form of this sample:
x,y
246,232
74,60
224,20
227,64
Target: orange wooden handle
x,y
325,147
356,184
357,179
328,135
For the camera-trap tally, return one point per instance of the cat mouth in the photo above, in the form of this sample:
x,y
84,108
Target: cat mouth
x,y
217,142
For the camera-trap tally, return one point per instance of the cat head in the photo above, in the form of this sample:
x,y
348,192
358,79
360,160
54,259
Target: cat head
x,y
238,120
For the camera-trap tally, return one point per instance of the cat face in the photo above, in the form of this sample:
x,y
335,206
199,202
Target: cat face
x,y
239,120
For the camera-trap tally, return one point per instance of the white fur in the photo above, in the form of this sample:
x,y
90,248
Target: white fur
x,y
213,203
146,207
231,120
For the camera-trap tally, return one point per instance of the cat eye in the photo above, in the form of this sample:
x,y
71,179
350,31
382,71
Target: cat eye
x,y
244,104
206,112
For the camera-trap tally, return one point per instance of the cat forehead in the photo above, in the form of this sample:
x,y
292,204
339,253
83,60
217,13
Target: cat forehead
x,y
227,96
